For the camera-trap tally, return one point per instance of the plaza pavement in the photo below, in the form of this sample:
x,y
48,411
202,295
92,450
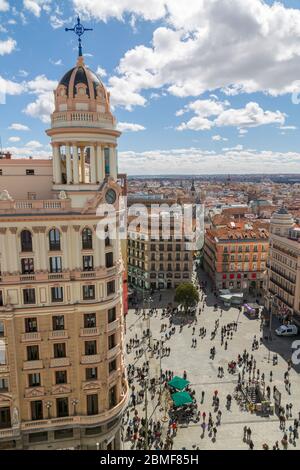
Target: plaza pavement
x,y
202,373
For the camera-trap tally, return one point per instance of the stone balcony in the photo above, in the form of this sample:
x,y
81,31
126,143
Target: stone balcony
x,y
85,332
60,362
58,334
113,326
33,365
111,353
55,423
93,359
35,207
31,337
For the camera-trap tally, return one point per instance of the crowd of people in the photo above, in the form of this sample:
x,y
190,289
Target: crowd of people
x,y
150,395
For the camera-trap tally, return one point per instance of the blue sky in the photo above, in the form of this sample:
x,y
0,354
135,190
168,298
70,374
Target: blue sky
x,y
202,89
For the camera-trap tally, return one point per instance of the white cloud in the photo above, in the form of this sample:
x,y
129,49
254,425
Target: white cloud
x,y
288,128
240,46
25,152
7,46
14,139
130,127
101,72
55,62
34,144
18,127
193,161
151,10
23,73
219,138
4,5
41,108
8,87
36,6
252,115
41,84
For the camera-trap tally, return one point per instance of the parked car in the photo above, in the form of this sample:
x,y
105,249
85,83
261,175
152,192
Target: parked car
x,y
287,330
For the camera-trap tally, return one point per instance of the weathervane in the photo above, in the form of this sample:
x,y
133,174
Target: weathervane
x,y
79,30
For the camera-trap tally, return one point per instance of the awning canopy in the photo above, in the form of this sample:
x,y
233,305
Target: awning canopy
x,y
178,382
182,398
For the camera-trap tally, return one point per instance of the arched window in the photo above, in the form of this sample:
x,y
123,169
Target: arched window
x,y
87,239
26,241
54,240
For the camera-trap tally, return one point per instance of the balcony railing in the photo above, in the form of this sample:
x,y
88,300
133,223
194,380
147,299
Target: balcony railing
x,y
32,365
30,337
60,362
92,359
90,331
77,420
58,334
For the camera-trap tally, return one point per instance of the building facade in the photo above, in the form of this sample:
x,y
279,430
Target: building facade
x,y
62,373
283,279
235,256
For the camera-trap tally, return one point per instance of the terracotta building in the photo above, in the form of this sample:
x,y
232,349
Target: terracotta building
x,y
235,255
62,375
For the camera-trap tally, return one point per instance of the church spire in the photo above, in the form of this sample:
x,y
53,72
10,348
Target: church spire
x,y
79,30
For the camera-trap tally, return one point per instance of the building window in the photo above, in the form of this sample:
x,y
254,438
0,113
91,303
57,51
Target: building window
x,y
111,287
88,292
111,341
90,348
61,377
89,320
92,405
88,263
54,240
57,294
91,373
1,298
107,161
30,172
31,196
2,353
59,350
112,315
55,264
33,353
4,385
113,397
29,296
58,322
112,366
63,434
87,239
34,380
26,241
31,325
62,407
1,329
36,410
38,437
27,265
109,260
107,239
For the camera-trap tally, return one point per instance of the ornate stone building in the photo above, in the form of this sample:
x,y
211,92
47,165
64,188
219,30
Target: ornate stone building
x,y
62,379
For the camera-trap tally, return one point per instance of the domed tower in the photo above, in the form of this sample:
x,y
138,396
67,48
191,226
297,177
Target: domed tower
x,y
281,222
83,132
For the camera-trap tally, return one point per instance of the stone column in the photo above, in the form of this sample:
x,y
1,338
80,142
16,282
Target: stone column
x,y
82,164
113,162
65,248
4,251
103,161
93,165
68,164
77,246
44,248
100,175
57,177
13,250
75,165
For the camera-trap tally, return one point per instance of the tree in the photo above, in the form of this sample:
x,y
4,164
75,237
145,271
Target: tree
x,y
187,295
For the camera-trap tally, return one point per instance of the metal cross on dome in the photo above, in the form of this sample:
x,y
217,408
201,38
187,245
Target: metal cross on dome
x,y
79,30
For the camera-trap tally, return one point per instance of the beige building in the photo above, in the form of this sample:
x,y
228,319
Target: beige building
x,y
283,280
163,261
62,375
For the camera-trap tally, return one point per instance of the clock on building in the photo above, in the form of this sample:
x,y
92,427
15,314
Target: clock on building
x,y
110,196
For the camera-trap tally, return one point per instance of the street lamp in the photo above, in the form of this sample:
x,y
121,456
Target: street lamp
x,y
48,406
74,403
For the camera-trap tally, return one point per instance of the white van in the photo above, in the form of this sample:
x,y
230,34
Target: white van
x,y
287,330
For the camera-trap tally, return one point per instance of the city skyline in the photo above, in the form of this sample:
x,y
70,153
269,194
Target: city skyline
x,y
180,102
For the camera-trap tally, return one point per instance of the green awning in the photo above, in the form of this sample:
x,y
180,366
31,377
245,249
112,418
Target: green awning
x,y
182,398
178,382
